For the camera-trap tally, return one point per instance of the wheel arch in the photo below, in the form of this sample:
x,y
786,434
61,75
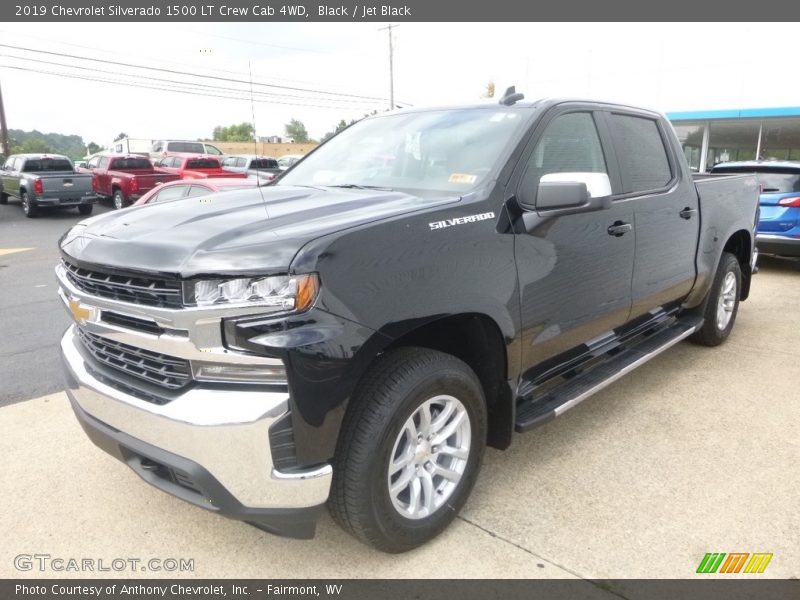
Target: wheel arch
x,y
476,339
740,244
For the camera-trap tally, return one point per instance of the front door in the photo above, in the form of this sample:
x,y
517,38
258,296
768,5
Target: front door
x,y
575,269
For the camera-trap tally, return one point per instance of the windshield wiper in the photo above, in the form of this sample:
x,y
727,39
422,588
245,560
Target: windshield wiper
x,y
355,186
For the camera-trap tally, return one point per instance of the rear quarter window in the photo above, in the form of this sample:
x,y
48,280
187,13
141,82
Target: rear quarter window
x,y
641,153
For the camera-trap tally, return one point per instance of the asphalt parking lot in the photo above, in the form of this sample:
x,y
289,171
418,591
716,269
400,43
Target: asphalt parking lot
x,y
695,452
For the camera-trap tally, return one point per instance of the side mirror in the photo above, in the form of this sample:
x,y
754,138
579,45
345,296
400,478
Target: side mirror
x,y
572,193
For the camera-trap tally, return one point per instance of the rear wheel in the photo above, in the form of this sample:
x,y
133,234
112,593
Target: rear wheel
x,y
28,208
410,449
119,200
85,209
722,303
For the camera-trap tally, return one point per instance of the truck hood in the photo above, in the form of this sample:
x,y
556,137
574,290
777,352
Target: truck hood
x,y
235,232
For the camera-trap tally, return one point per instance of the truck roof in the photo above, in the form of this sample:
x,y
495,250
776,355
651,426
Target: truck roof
x,y
41,155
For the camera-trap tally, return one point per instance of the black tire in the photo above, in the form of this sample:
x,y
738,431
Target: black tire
x,y
85,209
713,333
118,200
396,386
30,210
3,198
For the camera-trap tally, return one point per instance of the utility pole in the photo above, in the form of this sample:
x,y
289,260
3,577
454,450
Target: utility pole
x,y
3,127
391,65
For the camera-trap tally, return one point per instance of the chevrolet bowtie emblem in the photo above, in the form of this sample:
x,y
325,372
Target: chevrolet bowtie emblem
x,y
80,312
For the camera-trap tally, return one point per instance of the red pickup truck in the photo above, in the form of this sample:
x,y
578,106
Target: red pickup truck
x,y
196,167
125,177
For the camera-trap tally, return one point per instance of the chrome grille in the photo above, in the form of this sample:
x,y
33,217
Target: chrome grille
x,y
161,369
133,288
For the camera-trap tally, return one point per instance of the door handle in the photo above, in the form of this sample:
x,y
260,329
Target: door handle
x,y
618,229
688,213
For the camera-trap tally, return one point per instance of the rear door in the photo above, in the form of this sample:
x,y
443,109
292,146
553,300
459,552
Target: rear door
x,y
574,269
665,204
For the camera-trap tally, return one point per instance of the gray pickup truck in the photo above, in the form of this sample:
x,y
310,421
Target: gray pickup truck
x,y
45,180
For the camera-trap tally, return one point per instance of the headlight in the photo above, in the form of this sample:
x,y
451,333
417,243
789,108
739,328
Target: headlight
x,y
283,293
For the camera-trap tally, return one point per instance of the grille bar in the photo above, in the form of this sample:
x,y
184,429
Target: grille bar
x,y
166,371
133,288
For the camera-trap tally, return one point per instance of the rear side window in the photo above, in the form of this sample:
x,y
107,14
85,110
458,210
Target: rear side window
x,y
197,190
641,153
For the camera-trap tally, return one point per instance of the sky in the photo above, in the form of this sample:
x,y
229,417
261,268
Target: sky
x,y
663,66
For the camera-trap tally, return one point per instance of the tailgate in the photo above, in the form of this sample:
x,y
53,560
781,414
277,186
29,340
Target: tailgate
x,y
147,181
58,185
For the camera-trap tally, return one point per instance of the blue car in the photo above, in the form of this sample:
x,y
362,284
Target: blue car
x,y
779,226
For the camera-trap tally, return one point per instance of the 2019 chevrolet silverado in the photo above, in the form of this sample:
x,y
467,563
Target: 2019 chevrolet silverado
x,y
125,177
45,181
359,331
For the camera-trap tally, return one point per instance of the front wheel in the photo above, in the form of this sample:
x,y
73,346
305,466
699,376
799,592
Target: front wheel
x,y
28,207
722,303
85,209
410,449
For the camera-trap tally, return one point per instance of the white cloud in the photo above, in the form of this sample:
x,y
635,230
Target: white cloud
x,y
668,66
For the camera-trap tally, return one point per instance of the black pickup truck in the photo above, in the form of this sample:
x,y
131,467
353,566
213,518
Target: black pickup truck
x,y
423,284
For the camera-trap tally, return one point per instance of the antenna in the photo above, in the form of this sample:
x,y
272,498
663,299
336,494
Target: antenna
x,y
255,140
511,97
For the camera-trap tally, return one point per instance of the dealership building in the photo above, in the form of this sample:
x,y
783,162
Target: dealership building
x,y
715,136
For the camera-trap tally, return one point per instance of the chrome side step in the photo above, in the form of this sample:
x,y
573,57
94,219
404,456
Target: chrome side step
x,y
536,409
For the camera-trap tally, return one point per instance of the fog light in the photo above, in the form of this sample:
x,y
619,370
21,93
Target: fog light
x,y
224,372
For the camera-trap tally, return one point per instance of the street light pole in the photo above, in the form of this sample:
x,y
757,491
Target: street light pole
x,y
391,65
3,127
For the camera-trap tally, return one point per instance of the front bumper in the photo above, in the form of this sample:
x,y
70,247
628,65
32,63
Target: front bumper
x,y
780,245
209,447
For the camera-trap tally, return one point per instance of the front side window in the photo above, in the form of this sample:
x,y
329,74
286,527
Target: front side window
x,y
198,190
103,163
170,193
229,162
212,150
426,153
569,144
641,152
94,162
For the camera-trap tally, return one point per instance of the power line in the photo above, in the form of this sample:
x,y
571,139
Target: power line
x,y
199,86
175,72
162,88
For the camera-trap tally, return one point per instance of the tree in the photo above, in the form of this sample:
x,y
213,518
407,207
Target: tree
x,y
31,146
93,148
120,136
342,125
243,132
297,131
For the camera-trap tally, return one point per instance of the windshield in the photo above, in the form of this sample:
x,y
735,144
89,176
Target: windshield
x,y
773,181
449,151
